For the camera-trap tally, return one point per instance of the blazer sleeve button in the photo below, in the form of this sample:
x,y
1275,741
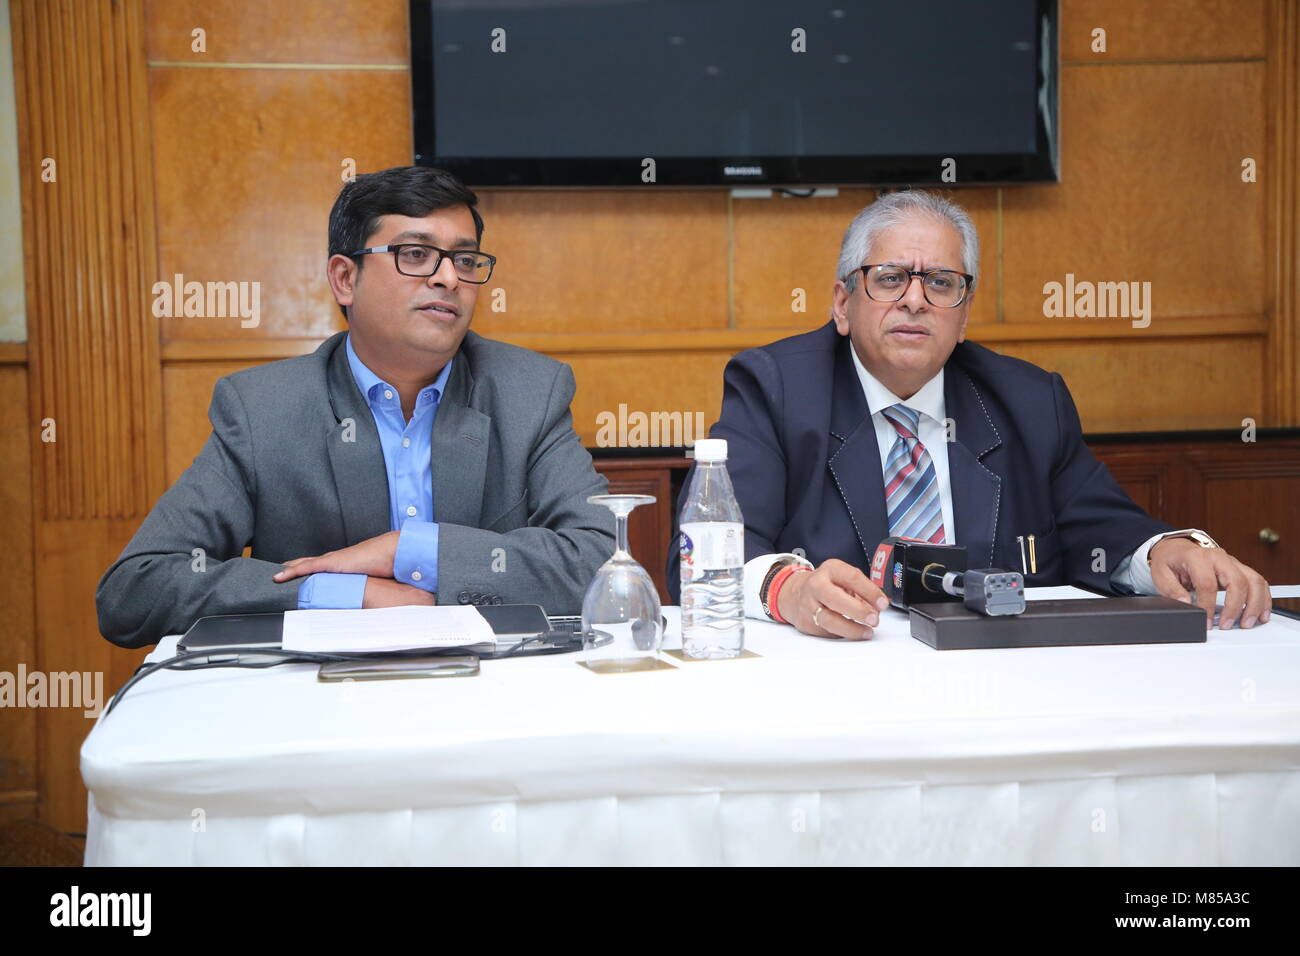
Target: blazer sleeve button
x,y
463,597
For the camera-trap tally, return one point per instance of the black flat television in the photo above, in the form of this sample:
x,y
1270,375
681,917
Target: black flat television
x,y
768,93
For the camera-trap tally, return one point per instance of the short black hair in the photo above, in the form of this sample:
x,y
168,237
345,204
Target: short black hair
x,y
412,191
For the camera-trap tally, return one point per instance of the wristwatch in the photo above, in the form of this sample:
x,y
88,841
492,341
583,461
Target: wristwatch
x,y
777,565
1200,537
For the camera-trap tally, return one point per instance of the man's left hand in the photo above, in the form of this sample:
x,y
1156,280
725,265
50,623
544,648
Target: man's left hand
x,y
373,557
1179,566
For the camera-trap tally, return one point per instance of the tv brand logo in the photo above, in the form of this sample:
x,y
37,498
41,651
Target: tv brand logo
x,y
742,170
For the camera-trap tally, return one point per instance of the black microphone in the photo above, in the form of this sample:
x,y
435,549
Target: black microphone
x,y
897,566
990,591
911,571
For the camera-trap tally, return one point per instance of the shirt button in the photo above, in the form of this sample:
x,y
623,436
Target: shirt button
x,y
416,576
406,443
410,510
388,393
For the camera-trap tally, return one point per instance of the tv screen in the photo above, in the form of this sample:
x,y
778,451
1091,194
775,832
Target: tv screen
x,y
736,92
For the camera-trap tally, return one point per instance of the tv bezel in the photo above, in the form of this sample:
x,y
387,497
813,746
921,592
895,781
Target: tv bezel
x,y
777,172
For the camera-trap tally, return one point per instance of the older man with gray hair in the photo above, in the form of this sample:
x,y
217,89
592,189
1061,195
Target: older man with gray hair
x,y
886,421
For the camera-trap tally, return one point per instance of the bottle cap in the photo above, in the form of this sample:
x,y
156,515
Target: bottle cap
x,y
710,449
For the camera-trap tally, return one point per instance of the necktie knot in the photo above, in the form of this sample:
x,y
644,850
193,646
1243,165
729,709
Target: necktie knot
x,y
906,421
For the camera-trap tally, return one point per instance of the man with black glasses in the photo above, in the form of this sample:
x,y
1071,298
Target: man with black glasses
x,y
885,421
407,460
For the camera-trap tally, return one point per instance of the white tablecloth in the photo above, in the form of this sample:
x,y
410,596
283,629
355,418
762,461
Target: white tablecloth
x,y
819,751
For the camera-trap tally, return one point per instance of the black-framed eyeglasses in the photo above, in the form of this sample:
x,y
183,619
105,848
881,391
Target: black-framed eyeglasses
x,y
417,259
945,288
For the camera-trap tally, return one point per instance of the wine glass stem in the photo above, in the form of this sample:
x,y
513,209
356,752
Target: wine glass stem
x,y
620,522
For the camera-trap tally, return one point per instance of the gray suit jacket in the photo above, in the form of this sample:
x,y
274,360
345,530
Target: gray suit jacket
x,y
279,475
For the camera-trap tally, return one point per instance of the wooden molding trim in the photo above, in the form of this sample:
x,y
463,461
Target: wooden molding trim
x,y
734,340
13,353
88,238
1281,364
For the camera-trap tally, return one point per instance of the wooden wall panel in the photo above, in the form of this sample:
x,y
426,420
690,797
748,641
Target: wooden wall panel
x,y
93,349
1283,120
1163,30
18,752
88,239
249,163
285,31
648,382
72,557
1151,191
785,243
1163,384
644,260
187,391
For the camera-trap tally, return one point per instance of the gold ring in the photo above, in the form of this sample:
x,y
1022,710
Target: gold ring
x,y
815,614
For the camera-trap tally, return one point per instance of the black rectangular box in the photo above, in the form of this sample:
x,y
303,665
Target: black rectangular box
x,y
1062,623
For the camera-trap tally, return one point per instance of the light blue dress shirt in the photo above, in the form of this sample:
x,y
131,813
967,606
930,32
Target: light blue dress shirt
x,y
407,448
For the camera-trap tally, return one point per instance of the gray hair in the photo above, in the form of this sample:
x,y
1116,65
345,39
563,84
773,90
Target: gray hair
x,y
891,209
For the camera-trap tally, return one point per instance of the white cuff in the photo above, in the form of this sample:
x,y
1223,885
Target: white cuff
x,y
1135,571
755,571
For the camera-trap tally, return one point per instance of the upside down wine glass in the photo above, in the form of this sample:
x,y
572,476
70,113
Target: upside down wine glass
x,y
620,612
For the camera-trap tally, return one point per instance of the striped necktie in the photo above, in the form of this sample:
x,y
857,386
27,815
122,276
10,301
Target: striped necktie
x,y
911,485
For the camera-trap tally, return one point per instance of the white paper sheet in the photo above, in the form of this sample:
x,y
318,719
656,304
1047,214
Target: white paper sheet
x,y
384,629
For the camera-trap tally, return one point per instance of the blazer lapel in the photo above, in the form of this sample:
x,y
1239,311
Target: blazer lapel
x,y
355,454
855,464
976,491
459,450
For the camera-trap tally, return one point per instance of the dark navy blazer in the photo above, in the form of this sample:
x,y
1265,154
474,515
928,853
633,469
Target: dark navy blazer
x,y
803,456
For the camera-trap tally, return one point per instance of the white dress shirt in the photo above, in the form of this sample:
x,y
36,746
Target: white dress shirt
x,y
1133,573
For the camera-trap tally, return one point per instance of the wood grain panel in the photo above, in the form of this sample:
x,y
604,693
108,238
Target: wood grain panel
x,y
784,244
73,556
1284,211
1247,490
647,382
1157,385
1159,202
187,392
20,809
1163,29
1144,474
88,241
249,163
642,261
286,31
18,763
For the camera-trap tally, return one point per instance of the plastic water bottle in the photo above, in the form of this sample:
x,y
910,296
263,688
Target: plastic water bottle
x,y
713,558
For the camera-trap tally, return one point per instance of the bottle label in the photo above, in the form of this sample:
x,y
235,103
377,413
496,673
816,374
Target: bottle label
x,y
711,546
